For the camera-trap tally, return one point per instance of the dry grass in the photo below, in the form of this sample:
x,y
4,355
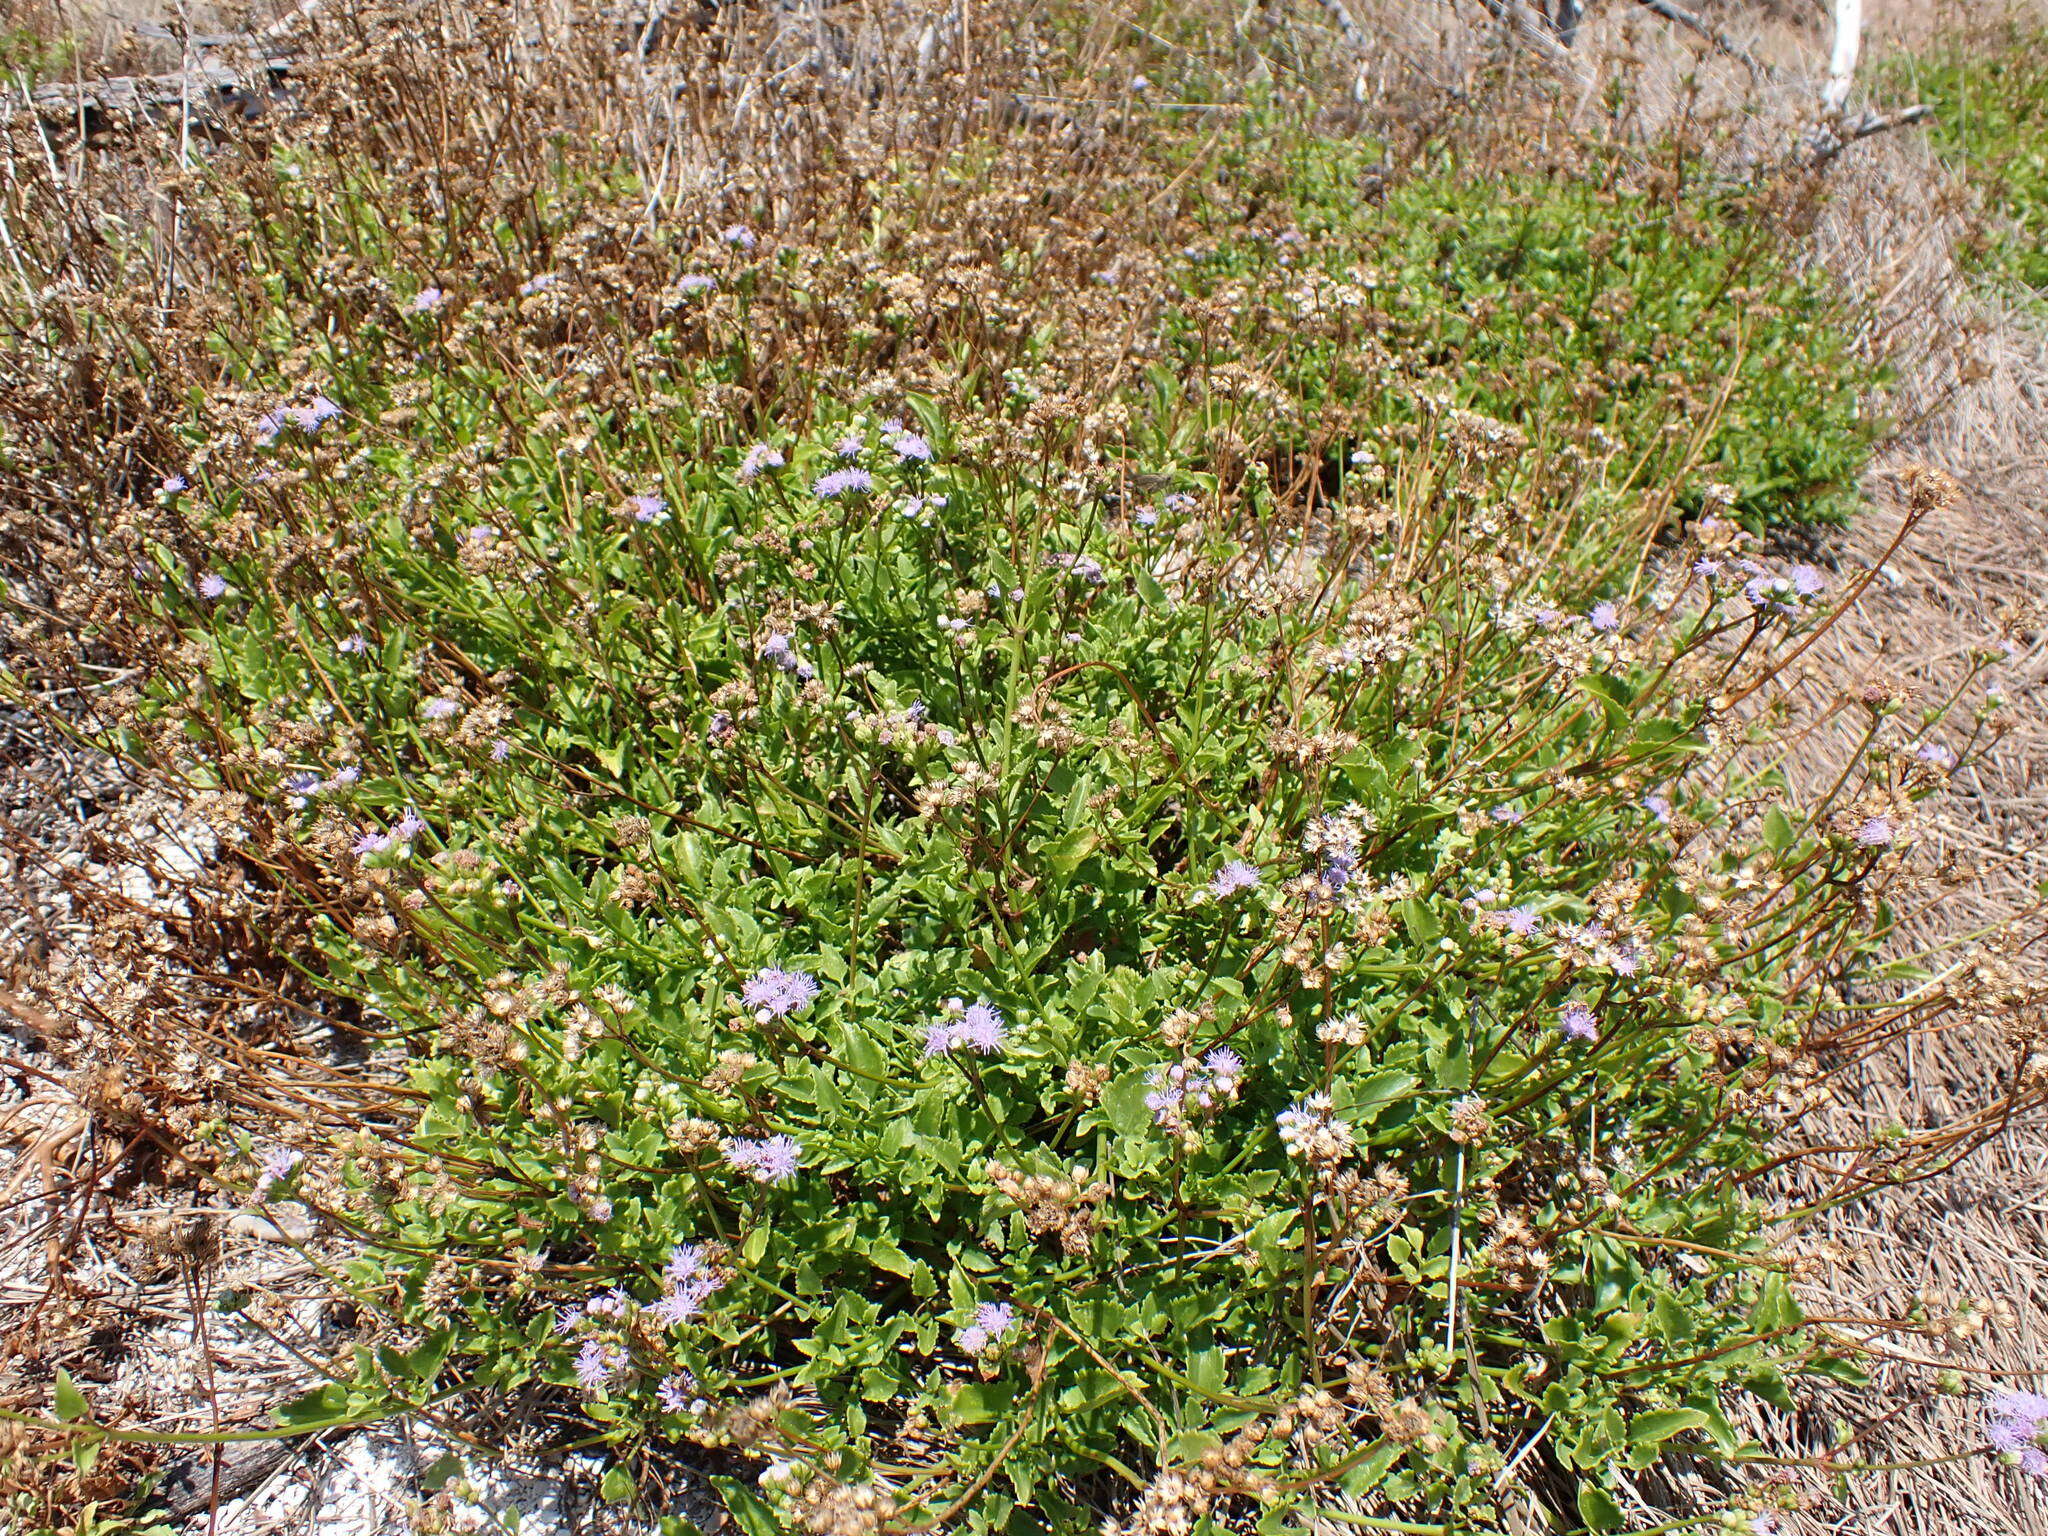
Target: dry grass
x,y
1973,392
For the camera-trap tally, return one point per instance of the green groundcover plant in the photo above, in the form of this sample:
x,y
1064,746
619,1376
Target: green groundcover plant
x,y
976,969
1032,870
1990,95
1675,320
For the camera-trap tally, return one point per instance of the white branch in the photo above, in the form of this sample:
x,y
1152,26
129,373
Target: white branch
x,y
1842,62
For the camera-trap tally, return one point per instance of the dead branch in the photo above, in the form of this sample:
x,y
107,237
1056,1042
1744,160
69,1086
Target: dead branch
x,y
1679,16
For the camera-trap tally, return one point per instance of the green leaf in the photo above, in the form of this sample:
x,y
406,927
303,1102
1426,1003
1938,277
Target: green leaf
x,y
1674,1323
1615,699
1362,1100
1661,1424
616,1487
425,1361
746,1508
1123,1101
980,1402
71,1403
1769,1384
1777,831
1423,926
320,1407
1836,1368
1063,855
1775,1310
1598,1509
884,1254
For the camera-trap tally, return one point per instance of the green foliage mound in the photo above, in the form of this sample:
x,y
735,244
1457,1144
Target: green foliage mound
x,y
1584,309
1990,95
1056,848
978,967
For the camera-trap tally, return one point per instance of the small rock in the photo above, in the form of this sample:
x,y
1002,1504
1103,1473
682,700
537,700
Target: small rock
x,y
291,1228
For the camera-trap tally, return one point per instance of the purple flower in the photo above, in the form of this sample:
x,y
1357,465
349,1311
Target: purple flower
x,y
1807,581
776,648
427,300
1605,617
719,728
911,446
1936,755
409,826
352,645
312,415
1520,921
1339,865
685,1301
1707,568
768,1160
1200,1086
646,508
676,1392
737,235
759,457
1585,935
1233,877
992,1323
374,842
977,1028
536,283
849,446
276,1167
686,1262
1083,567
1578,1022
1506,815
1877,832
174,484
1226,1070
500,750
302,785
344,777
841,481
268,425
441,709
597,1363
1658,806
213,586
613,1304
981,1027
695,282
776,994
2018,1420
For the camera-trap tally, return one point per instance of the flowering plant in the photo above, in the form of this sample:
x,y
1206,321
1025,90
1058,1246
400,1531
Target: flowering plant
x,y
1188,921
1264,1002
